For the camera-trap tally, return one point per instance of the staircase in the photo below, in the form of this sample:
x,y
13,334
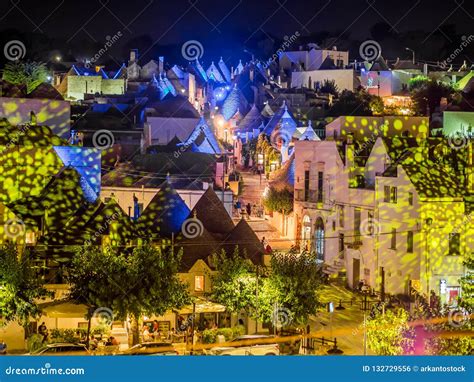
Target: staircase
x,y
336,266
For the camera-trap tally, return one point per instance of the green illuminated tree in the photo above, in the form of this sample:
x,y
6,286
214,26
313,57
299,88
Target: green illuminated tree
x,y
280,201
235,283
388,333
30,74
297,279
137,282
20,288
289,290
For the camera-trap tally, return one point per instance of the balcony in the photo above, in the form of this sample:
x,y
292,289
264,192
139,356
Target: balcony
x,y
312,197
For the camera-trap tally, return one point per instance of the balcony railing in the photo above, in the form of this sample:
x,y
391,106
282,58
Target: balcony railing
x,y
311,197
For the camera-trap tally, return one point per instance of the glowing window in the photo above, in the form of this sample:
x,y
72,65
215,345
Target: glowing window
x,y
199,283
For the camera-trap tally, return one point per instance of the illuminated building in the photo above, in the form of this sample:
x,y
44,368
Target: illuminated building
x,y
391,210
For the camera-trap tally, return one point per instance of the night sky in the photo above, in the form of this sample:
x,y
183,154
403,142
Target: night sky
x,y
228,27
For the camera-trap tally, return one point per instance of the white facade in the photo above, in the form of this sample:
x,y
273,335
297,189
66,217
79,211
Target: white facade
x,y
384,233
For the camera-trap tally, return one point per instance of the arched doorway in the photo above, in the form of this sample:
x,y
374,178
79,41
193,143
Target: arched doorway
x,y
319,239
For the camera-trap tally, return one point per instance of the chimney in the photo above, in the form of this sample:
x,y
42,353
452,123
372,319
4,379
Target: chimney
x,y
133,55
334,47
161,64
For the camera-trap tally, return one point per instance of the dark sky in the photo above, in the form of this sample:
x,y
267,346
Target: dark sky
x,y
229,24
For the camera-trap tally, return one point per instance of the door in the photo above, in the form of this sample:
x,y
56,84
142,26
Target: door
x,y
355,272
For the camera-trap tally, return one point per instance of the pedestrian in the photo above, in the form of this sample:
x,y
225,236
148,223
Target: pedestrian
x,y
249,210
43,330
156,329
238,207
3,347
146,333
264,242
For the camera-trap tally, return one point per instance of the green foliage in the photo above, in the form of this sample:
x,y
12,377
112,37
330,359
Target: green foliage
x,y
417,82
329,87
428,95
29,74
34,342
209,336
376,105
234,284
270,153
467,284
142,281
296,278
352,103
73,335
292,285
450,327
280,201
20,288
388,333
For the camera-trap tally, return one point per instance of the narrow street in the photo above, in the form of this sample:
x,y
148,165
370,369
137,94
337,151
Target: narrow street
x,y
253,188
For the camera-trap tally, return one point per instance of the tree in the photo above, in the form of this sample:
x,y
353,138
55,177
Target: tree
x,y
280,201
235,284
388,333
417,82
329,87
140,281
296,278
20,288
31,74
352,103
427,96
286,294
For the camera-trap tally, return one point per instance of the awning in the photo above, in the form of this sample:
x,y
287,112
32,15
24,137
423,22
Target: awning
x,y
202,306
63,309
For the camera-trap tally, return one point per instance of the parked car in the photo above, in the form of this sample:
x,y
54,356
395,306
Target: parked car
x,y
248,345
62,349
151,348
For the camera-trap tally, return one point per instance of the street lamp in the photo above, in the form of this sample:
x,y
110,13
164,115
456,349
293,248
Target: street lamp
x,y
413,54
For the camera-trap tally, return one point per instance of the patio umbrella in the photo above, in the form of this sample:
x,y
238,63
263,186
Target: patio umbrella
x,y
63,309
202,306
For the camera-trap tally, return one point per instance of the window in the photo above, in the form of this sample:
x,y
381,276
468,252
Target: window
x,y
306,185
320,186
370,218
341,216
393,239
410,198
357,224
390,194
393,194
410,241
454,243
319,239
199,283
341,242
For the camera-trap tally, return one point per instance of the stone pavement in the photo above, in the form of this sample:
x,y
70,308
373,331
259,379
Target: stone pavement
x,y
346,325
